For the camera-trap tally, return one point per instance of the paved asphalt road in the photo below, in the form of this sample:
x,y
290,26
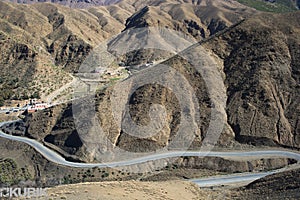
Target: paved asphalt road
x,y
231,179
218,180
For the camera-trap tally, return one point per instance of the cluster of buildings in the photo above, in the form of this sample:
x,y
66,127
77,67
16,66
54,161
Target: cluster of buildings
x,y
35,106
109,71
29,106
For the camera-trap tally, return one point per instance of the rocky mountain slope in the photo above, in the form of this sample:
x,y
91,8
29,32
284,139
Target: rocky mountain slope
x,y
261,63
42,42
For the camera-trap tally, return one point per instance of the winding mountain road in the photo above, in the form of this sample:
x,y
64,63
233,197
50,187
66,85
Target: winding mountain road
x,y
204,182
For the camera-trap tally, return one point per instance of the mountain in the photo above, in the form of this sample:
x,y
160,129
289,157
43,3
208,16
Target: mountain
x,y
70,3
262,78
262,5
253,103
41,43
258,58
200,19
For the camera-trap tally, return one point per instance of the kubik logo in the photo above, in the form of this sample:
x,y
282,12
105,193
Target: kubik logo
x,y
23,192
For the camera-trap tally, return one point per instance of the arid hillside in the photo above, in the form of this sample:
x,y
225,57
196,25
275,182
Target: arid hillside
x,y
41,43
261,63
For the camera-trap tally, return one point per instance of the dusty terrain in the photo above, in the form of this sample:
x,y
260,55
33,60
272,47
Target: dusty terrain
x,y
135,190
280,186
